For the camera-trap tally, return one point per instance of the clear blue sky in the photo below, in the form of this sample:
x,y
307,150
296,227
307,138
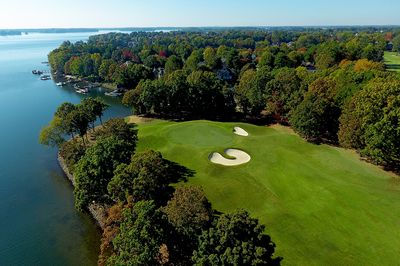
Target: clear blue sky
x,y
144,13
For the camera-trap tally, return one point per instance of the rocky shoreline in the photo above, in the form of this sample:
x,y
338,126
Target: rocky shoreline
x,y
97,211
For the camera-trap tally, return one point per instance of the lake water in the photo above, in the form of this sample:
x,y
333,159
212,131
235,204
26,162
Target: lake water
x,y
38,222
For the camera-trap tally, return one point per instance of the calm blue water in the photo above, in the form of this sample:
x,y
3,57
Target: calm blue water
x,y
38,222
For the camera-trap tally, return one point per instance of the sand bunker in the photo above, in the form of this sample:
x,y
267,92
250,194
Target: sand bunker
x,y
241,157
240,131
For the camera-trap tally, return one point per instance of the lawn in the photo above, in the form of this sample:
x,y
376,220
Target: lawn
x,y
392,61
321,205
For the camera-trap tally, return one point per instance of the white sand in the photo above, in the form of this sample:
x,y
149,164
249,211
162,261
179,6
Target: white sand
x,y
240,131
241,157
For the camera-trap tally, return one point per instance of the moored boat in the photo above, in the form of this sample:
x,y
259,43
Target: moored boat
x,y
37,72
82,91
45,77
114,93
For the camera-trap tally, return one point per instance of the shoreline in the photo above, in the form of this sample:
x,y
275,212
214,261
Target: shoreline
x,y
97,211
70,79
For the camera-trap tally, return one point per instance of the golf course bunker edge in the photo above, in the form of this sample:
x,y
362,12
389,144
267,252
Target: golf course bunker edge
x,y
239,156
240,131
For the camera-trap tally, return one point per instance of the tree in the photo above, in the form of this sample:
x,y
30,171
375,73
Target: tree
x,y
141,236
177,92
281,60
295,58
63,112
79,122
250,92
128,76
76,66
148,97
152,62
104,69
351,134
235,239
97,60
267,59
353,49
95,169
88,66
147,177
206,96
64,109
153,96
364,65
306,40
71,152
94,108
328,54
193,61
369,122
317,115
324,60
229,57
88,107
120,129
173,63
99,108
383,138
372,52
189,211
283,93
52,135
396,44
315,118
110,231
210,58
58,58
131,98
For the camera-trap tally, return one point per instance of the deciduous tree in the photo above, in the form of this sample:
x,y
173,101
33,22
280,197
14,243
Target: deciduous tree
x,y
235,239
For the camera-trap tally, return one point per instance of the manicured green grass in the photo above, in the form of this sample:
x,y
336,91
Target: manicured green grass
x,y
392,61
322,205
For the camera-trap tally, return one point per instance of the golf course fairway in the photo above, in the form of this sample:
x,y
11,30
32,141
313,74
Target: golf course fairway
x,y
321,205
392,61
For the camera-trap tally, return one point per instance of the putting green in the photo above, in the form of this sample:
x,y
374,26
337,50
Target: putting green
x,y
321,205
198,134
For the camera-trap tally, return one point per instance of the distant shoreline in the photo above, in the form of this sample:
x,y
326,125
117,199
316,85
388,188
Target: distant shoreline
x,y
21,31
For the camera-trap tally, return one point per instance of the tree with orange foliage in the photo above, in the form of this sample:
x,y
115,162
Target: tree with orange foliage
x,y
367,65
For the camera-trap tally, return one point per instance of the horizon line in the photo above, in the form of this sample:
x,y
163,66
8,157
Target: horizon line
x,y
215,26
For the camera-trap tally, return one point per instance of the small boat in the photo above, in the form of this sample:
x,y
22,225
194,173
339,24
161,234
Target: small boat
x,y
37,72
45,77
60,84
114,93
82,91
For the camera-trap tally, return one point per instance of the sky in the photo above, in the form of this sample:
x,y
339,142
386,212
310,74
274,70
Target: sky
x,y
185,13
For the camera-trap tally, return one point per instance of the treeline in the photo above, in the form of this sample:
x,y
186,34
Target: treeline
x,y
10,32
105,57
306,79
150,222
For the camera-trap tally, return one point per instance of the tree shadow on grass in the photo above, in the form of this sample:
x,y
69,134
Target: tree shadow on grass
x,y
393,66
230,117
176,173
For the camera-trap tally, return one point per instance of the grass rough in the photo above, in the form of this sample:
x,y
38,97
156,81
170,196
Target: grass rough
x,y
392,61
322,205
